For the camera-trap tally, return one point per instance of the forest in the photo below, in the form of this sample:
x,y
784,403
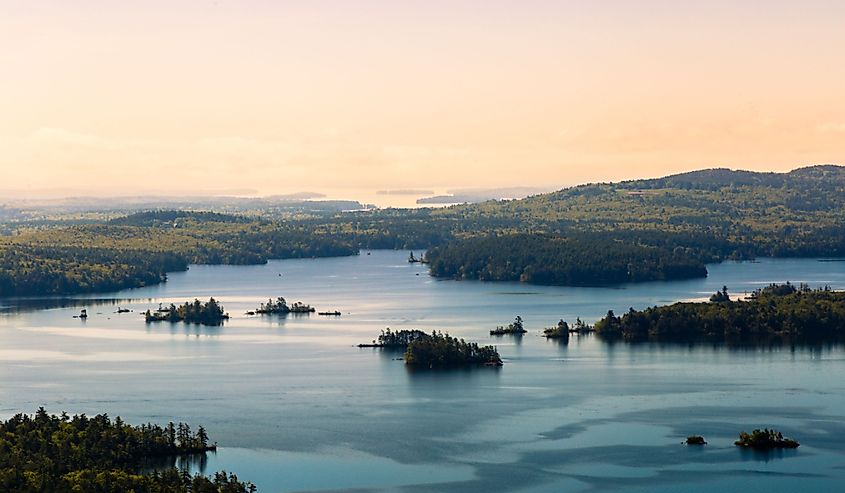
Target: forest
x,y
35,270
664,228
642,230
140,250
589,259
777,313
44,453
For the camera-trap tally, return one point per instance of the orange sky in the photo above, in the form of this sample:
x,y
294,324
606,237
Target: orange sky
x,y
352,97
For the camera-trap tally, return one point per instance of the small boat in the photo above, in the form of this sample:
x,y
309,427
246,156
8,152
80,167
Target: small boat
x,y
123,310
331,314
82,314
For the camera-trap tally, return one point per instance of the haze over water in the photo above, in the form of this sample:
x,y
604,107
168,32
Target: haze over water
x,y
295,406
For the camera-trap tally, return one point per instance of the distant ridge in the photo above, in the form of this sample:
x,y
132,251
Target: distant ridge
x,y
727,177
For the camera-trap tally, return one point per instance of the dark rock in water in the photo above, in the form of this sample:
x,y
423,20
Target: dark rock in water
x,y
695,440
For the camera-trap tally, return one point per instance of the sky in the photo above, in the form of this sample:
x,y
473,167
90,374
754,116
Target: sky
x,y
259,97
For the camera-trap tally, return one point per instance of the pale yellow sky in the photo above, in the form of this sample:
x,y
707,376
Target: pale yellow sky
x,y
352,97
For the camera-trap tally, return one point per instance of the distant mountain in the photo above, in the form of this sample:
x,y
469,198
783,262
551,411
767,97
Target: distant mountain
x,y
721,177
813,188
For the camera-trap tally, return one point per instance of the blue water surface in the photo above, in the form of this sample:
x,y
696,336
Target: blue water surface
x,y
295,406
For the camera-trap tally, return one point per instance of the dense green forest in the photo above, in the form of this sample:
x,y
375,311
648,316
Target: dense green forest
x,y
139,250
62,454
795,213
648,229
664,228
34,269
776,313
545,259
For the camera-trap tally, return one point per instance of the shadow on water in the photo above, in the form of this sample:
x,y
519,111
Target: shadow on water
x,y
444,378
184,328
767,344
516,338
193,463
560,342
757,455
23,305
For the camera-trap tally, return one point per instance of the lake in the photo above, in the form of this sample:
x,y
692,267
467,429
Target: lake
x,y
295,406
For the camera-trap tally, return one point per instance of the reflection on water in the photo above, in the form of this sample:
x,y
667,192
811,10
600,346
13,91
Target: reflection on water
x,y
191,463
296,406
18,305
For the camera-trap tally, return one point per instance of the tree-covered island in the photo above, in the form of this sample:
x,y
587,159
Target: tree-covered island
x,y
196,312
436,350
515,328
765,439
559,331
45,453
280,306
779,312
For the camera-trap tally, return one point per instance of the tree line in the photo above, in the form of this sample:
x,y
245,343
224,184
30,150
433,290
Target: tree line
x,y
664,228
572,260
780,312
50,453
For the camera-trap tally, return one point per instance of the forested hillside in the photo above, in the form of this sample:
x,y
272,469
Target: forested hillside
x,y
140,249
797,213
681,220
664,228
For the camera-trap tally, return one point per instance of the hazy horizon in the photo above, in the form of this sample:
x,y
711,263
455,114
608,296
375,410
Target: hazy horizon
x,y
401,198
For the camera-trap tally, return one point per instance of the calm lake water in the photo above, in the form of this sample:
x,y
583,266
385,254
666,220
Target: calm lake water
x,y
295,406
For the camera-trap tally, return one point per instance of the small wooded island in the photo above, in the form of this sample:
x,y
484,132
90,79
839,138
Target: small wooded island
x,y
196,312
436,350
560,331
515,328
778,312
280,306
61,454
765,439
